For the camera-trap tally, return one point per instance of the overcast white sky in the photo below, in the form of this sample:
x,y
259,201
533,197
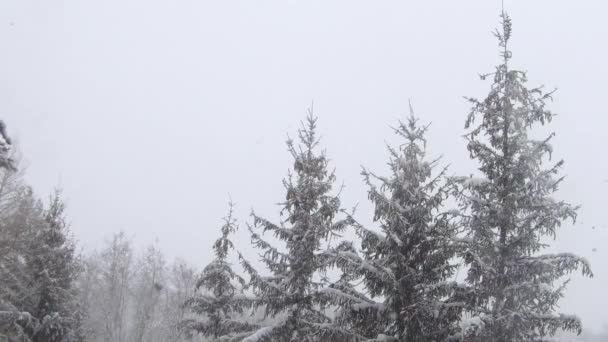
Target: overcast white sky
x,y
148,113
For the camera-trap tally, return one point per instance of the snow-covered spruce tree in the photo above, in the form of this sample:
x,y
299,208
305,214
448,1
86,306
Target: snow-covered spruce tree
x,y
406,268
509,211
220,297
19,223
54,267
38,267
293,293
11,319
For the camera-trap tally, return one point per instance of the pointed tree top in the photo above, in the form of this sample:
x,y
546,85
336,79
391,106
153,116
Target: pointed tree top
x,y
307,133
504,34
411,130
223,244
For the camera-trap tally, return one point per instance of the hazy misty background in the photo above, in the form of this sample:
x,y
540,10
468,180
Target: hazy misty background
x,y
148,113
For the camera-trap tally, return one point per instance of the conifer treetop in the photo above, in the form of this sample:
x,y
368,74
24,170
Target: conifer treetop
x,y
222,245
405,265
220,296
510,209
294,292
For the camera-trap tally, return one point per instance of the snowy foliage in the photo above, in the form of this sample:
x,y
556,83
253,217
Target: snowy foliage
x,y
38,267
395,283
5,143
405,269
220,297
294,290
54,267
507,213
21,216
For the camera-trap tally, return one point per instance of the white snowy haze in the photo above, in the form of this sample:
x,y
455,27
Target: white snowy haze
x,y
149,113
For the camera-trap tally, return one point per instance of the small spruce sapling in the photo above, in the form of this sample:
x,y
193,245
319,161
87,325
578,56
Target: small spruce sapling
x,y
220,298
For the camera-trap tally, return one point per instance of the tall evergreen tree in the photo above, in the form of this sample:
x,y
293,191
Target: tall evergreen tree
x,y
294,290
19,224
220,297
406,268
54,267
510,211
38,268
